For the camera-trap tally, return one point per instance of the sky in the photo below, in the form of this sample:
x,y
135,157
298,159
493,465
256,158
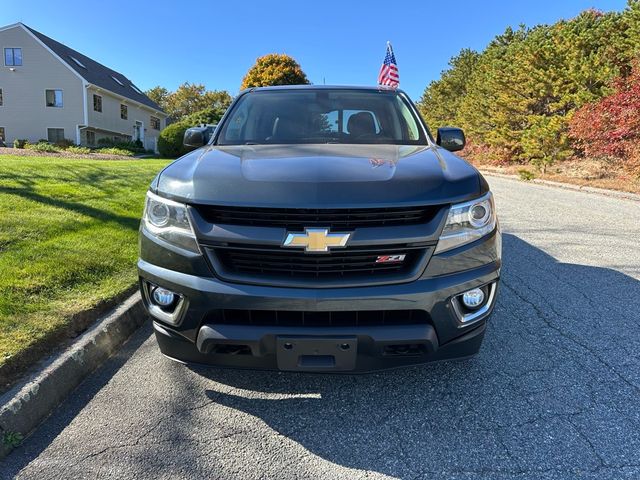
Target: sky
x,y
338,42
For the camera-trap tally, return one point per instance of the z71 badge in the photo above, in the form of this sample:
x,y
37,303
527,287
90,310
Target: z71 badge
x,y
391,258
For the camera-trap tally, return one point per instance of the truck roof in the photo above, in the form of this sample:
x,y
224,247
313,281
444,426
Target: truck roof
x,y
323,87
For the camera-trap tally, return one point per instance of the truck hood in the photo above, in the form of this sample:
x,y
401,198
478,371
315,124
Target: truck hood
x,y
319,176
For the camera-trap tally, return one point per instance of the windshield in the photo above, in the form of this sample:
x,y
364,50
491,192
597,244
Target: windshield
x,y
321,116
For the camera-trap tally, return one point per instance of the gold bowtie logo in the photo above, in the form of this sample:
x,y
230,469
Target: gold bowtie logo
x,y
316,240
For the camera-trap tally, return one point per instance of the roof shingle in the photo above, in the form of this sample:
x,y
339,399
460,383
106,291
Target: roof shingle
x,y
96,73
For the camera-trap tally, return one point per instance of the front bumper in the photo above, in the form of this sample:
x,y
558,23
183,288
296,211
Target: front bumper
x,y
370,344
443,337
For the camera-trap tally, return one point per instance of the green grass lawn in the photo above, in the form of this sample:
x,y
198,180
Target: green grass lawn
x,y
68,240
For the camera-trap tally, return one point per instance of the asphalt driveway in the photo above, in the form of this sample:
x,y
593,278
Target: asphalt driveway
x,y
554,393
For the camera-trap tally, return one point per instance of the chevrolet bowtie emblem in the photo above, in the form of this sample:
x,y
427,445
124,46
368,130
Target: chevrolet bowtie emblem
x,y
316,240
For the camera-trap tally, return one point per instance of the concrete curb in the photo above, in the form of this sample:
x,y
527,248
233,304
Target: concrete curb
x,y
28,403
567,186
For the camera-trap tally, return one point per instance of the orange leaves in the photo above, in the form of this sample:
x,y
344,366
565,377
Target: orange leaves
x,y
274,69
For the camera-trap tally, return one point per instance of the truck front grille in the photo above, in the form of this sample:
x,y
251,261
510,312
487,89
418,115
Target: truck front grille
x,y
293,318
299,218
351,264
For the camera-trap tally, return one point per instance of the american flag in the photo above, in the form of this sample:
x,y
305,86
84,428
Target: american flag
x,y
389,71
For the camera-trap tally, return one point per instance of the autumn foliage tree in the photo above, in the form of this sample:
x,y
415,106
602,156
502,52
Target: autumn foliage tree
x,y
516,99
610,127
274,69
189,99
190,105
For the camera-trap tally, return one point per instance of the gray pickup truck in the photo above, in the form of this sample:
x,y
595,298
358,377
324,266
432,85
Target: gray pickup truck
x,y
320,229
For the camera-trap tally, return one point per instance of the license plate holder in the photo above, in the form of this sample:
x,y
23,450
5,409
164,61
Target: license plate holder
x,y
316,353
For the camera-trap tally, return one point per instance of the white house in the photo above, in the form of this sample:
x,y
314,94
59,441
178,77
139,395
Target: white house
x,y
50,91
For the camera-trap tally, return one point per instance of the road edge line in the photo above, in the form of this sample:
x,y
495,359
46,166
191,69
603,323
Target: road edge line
x,y
567,186
32,400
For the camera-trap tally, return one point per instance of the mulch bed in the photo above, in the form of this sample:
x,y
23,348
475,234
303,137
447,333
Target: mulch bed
x,y
23,152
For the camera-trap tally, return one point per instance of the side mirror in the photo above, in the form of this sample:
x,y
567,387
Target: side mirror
x,y
195,137
451,138
211,129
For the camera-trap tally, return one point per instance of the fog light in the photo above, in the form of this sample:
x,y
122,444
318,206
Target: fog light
x,y
163,297
473,298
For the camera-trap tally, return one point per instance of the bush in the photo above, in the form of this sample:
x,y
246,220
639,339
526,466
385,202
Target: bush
x,y
610,127
170,140
20,143
115,151
64,143
42,147
135,147
78,150
526,175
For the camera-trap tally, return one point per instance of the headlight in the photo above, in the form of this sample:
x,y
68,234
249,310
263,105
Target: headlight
x,y
467,222
169,221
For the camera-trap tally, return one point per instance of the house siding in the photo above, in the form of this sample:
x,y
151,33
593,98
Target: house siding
x,y
23,113
109,124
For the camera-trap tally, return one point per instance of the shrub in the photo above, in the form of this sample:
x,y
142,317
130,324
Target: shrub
x,y
526,175
20,143
42,147
135,147
115,151
610,127
170,140
78,150
64,143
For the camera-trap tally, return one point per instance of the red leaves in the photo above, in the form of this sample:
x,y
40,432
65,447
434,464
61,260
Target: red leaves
x,y
611,126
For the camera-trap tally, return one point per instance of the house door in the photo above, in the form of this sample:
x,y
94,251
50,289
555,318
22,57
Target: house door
x,y
138,131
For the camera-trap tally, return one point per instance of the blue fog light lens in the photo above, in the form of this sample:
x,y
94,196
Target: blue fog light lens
x,y
163,297
473,298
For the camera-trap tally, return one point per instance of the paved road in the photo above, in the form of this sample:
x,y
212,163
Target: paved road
x,y
554,393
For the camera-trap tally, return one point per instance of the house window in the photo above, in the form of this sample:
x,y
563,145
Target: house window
x,y
1,99
2,137
124,112
55,134
13,57
53,98
91,138
97,103
155,123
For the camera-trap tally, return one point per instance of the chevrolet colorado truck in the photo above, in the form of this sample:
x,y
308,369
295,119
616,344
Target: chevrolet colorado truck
x,y
320,229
